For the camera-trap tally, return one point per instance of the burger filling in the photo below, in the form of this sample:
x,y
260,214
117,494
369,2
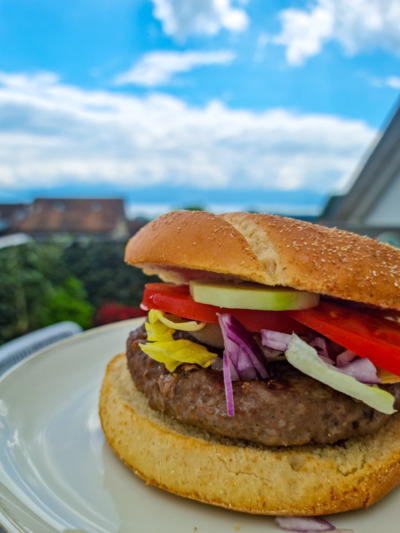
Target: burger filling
x,y
261,384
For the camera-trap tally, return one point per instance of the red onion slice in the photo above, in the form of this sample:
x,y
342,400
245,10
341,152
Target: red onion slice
x,y
362,370
242,350
275,340
323,349
345,357
346,362
228,386
303,524
242,359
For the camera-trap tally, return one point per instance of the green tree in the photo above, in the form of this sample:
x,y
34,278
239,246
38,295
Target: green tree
x,y
25,286
104,274
68,302
44,283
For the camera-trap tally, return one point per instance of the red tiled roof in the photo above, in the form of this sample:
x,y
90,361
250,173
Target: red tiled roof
x,y
11,215
68,215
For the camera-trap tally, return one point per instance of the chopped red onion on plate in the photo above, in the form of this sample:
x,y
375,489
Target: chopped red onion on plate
x,y
306,524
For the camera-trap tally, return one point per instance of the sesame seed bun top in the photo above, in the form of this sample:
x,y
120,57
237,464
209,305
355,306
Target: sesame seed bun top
x,y
271,250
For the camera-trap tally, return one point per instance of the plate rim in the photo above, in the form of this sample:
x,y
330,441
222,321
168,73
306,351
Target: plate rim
x,y
6,525
69,340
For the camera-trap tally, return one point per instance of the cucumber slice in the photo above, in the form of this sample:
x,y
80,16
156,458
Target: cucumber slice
x,y
249,296
305,358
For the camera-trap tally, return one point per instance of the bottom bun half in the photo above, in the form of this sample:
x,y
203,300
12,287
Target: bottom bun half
x,y
299,480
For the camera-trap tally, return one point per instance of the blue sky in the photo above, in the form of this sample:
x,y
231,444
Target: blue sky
x,y
226,104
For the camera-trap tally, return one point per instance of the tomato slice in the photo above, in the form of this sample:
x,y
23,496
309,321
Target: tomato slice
x,y
364,332
176,299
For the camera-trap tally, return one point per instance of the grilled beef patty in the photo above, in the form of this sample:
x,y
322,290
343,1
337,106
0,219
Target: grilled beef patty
x,y
290,408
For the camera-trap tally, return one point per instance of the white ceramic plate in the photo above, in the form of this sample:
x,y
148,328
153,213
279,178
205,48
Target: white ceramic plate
x,y
57,473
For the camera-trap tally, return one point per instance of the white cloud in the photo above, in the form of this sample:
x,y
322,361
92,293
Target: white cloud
x,y
181,18
52,134
393,82
357,25
303,33
158,68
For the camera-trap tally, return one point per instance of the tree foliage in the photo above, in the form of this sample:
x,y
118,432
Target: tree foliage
x,y
68,302
44,283
106,277
25,287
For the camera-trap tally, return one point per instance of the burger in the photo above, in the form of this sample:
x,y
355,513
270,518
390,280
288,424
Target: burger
x,y
265,378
